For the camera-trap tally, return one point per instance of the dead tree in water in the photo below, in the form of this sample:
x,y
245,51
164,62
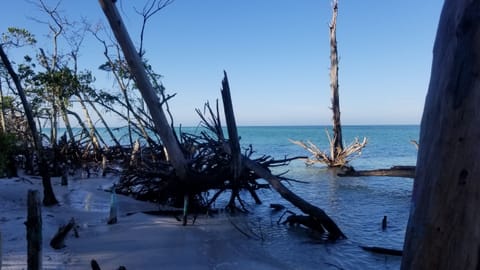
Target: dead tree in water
x,y
442,231
338,156
337,143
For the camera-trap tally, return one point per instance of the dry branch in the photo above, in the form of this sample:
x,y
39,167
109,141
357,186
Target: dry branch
x,y
395,171
58,241
339,158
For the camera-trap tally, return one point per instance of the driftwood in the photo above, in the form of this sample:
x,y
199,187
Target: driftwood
x,y
58,241
380,250
395,171
316,213
112,217
307,221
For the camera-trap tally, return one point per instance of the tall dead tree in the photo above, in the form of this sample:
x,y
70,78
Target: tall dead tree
x,y
338,156
48,195
137,68
443,229
337,145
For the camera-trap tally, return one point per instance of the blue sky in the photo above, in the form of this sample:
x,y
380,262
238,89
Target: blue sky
x,y
276,53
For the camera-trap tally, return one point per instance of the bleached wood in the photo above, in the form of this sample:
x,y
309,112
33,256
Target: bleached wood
x,y
444,226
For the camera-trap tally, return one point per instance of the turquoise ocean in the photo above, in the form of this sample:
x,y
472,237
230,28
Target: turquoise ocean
x,y
357,204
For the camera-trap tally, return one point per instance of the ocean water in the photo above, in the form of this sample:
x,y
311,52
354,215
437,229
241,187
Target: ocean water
x,y
356,204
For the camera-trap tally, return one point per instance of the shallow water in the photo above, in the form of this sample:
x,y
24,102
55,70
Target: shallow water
x,y
356,204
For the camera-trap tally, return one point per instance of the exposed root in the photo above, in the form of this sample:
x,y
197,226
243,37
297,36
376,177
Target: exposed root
x,y
338,158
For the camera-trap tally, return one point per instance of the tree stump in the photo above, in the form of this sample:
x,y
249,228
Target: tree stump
x,y
34,231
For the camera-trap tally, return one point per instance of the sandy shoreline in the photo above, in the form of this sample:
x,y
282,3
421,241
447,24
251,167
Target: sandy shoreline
x,y
137,241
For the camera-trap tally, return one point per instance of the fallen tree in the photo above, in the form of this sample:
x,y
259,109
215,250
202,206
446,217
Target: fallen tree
x,y
394,171
190,166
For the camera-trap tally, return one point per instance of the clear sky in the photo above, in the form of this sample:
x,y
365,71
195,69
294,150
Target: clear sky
x,y
276,53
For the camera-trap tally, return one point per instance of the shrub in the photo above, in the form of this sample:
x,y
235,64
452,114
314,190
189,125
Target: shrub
x,y
7,150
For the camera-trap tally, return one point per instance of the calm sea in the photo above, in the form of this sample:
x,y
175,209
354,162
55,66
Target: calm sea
x,y
357,204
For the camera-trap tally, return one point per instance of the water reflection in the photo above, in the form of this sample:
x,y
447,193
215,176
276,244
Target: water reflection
x,y
86,201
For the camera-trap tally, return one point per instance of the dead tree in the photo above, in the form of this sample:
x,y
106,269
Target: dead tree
x,y
318,217
338,156
337,144
236,160
149,95
442,231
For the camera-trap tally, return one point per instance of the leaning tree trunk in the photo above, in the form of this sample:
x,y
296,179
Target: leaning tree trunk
x,y
337,145
48,195
105,124
2,112
443,230
149,95
66,121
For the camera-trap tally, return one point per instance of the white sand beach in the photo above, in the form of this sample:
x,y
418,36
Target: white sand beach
x,y
136,241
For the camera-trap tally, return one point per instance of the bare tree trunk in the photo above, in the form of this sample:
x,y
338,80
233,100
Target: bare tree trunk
x,y
66,120
34,231
54,125
145,86
232,138
2,113
102,119
443,229
80,122
337,145
48,195
92,131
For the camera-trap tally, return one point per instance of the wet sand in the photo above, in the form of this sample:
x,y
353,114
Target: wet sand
x,y
137,241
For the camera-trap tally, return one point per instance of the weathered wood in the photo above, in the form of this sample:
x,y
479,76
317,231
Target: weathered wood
x,y
443,229
34,231
233,139
306,221
149,95
305,207
112,218
315,212
395,171
337,145
58,240
386,251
